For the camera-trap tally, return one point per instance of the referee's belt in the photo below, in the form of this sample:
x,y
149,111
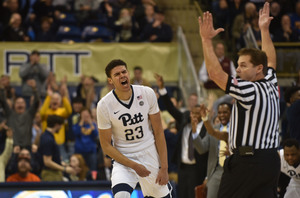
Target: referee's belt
x,y
250,151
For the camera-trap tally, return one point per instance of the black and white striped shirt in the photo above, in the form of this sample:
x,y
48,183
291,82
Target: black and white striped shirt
x,y
255,113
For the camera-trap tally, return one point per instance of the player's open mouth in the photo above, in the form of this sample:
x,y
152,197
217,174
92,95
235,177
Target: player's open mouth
x,y
124,82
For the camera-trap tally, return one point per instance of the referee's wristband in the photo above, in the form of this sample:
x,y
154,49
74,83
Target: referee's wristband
x,y
204,119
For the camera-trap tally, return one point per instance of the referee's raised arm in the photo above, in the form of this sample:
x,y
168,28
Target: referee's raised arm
x,y
267,44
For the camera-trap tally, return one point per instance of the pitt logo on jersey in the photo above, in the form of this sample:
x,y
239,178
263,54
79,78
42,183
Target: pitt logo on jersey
x,y
128,120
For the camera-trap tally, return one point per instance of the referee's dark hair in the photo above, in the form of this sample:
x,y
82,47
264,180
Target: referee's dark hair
x,y
52,120
257,57
112,64
290,142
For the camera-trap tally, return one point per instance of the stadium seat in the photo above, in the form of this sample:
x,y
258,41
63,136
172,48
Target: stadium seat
x,y
92,32
67,19
68,32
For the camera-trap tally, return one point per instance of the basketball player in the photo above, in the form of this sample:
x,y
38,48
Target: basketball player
x,y
290,165
129,117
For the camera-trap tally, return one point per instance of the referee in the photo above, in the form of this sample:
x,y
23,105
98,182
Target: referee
x,y
254,167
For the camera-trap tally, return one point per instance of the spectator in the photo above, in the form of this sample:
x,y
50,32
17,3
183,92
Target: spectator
x,y
41,9
126,27
36,129
77,106
240,21
285,33
14,31
77,162
50,152
33,70
138,77
221,13
290,165
148,17
86,134
24,168
275,12
216,149
57,104
158,31
46,31
84,9
20,119
10,92
12,166
86,90
292,97
191,166
295,17
9,7
227,66
5,155
106,89
235,8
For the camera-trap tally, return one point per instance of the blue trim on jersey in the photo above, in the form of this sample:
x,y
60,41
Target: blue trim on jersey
x,y
122,187
131,100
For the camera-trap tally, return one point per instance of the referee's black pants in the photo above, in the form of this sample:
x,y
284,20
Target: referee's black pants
x,y
253,176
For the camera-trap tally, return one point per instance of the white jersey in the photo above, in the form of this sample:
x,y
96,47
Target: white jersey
x,y
290,171
131,128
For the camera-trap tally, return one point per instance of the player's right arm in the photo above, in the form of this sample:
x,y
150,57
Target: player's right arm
x,y
105,141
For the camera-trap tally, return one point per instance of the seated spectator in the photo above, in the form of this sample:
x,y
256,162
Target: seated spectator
x,y
45,32
24,168
36,129
5,155
50,153
221,13
84,9
14,31
285,33
62,5
86,133
126,27
295,17
138,77
41,9
158,31
77,162
8,7
19,118
57,104
148,17
105,90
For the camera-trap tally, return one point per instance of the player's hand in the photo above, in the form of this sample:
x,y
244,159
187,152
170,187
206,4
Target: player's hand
x,y
162,176
141,170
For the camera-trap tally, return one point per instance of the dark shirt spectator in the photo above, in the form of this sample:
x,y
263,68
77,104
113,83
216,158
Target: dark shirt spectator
x,y
158,31
49,152
46,31
14,31
8,7
295,17
43,8
285,33
275,11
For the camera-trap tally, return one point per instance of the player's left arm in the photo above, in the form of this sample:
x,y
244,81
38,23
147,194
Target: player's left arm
x,y
160,142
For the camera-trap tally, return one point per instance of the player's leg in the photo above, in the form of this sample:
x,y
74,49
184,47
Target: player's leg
x,y
150,160
123,181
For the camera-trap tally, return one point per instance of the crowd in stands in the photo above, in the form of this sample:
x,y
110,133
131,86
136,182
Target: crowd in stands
x,y
49,134
237,17
83,21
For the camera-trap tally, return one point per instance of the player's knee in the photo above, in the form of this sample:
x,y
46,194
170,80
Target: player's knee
x,y
122,194
122,191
